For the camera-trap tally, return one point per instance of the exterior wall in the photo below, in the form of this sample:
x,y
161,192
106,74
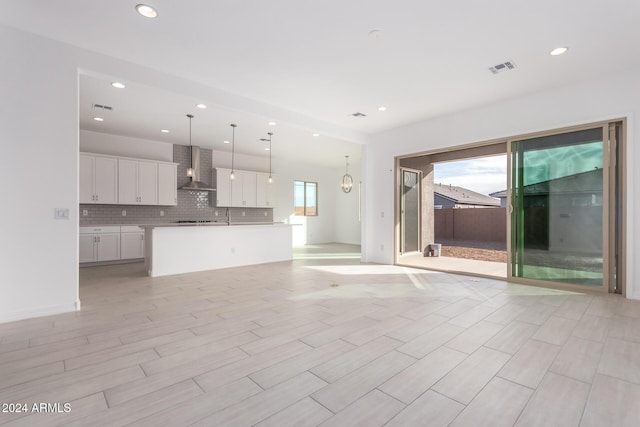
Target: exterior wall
x,y
480,225
427,195
445,203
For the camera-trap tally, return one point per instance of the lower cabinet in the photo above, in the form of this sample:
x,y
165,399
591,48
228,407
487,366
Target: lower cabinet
x,y
131,242
99,244
110,243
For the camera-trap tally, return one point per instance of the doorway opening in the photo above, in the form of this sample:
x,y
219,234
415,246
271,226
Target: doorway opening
x,y
562,209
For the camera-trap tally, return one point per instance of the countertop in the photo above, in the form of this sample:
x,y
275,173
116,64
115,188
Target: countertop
x,y
209,224
175,224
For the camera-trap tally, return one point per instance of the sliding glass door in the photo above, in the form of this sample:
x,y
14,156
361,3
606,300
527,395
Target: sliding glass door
x,y
559,208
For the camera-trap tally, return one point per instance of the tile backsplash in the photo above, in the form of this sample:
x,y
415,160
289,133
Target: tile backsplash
x,y
192,205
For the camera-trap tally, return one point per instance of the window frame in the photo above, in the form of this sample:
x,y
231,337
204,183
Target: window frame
x,y
304,203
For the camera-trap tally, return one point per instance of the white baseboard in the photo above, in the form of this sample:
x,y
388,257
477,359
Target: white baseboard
x,y
39,312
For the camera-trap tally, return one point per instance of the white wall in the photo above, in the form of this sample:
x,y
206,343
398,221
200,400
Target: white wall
x,y
38,117
125,146
347,207
39,125
607,98
310,229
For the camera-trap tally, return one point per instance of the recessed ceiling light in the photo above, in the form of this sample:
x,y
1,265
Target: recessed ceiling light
x,y
316,134
201,106
146,11
267,149
227,142
272,123
164,130
118,85
382,108
558,51
98,119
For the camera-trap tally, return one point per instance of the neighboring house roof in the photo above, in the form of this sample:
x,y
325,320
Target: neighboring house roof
x,y
583,182
464,196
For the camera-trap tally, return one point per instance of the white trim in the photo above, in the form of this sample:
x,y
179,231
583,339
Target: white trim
x,y
40,312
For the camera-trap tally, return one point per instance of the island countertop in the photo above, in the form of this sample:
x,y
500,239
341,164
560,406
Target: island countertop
x,y
188,247
210,224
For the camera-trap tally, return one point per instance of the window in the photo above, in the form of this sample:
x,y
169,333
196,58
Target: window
x,y
305,195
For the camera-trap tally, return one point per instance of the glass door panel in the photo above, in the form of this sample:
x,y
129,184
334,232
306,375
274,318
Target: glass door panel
x,y
558,217
410,211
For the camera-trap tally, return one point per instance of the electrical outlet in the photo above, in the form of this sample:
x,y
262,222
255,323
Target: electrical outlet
x,y
215,213
124,213
85,212
243,213
265,213
161,213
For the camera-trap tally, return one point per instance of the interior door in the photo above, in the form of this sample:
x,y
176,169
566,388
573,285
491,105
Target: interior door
x,y
410,210
559,208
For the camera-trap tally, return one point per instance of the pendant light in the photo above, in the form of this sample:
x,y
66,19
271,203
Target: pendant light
x,y
270,177
232,175
347,180
190,168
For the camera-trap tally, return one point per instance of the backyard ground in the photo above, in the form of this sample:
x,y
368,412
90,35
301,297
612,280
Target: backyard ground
x,y
481,251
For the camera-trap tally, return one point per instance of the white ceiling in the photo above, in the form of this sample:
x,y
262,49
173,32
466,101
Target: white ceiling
x,y
142,112
316,58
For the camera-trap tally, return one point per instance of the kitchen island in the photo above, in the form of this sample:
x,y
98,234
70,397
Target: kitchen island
x,y
186,248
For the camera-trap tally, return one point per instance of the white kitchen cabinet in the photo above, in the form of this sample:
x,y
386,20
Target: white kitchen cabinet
x,y
137,182
223,187
131,242
98,179
265,191
167,184
99,244
87,248
243,190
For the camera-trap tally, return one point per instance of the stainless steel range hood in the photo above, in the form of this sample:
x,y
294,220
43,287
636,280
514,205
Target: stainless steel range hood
x,y
195,183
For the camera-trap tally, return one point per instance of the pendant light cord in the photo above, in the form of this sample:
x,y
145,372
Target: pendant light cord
x,y
233,149
270,133
190,149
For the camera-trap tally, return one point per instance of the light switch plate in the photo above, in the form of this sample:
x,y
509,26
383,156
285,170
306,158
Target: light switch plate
x,y
85,212
124,213
161,213
61,213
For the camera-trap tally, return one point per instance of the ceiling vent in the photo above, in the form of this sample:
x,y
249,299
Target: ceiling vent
x,y
501,68
358,114
102,107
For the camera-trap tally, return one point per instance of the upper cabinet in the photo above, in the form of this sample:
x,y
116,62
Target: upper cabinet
x,y
126,181
98,178
265,191
223,187
247,190
138,182
243,190
167,184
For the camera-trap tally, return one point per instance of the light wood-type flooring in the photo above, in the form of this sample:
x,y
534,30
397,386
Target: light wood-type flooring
x,y
281,345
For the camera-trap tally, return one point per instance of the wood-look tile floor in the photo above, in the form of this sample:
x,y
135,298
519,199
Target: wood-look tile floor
x,y
278,345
